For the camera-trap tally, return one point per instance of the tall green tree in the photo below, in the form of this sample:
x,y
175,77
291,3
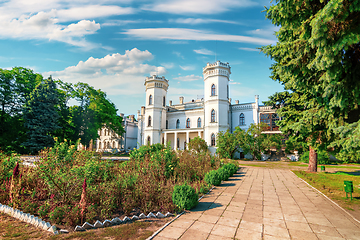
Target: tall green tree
x,y
15,88
317,60
41,116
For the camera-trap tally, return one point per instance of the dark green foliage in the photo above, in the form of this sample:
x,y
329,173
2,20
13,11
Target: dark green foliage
x,y
57,214
317,61
232,168
185,197
44,210
41,116
7,164
226,144
322,157
213,178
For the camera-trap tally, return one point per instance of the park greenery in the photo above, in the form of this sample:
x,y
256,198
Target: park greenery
x,y
69,186
34,110
252,141
316,59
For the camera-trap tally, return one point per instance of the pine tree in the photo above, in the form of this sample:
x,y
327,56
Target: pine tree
x,y
41,116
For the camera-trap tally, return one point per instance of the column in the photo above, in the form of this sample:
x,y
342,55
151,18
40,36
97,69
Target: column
x,y
187,140
165,138
175,140
199,134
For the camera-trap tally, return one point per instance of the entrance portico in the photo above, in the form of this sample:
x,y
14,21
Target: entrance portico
x,y
179,138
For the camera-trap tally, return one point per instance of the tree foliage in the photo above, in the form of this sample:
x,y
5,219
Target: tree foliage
x,y
198,145
41,116
317,60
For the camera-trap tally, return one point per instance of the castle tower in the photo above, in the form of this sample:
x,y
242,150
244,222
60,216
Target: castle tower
x,y
216,100
155,108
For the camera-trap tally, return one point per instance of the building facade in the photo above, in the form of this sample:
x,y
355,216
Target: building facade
x,y
179,123
109,141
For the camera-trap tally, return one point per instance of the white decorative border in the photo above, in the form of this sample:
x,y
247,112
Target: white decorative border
x,y
31,219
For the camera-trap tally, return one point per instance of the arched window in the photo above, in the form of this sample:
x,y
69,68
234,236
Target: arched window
x,y
150,100
178,143
108,145
199,123
149,121
213,90
213,140
167,124
148,140
178,123
113,145
213,115
241,119
164,101
188,123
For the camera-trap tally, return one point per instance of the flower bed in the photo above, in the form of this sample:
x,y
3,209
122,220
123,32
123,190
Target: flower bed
x,y
70,187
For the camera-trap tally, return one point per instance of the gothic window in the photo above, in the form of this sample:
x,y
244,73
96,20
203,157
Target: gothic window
x,y
149,121
177,123
113,145
241,119
167,124
213,115
164,102
150,100
178,143
148,140
213,90
199,123
108,145
213,140
188,123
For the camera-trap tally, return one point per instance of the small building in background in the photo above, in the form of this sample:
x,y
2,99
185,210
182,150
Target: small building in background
x,y
109,141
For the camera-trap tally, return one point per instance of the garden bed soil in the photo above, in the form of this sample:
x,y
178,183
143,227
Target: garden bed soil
x,y
11,228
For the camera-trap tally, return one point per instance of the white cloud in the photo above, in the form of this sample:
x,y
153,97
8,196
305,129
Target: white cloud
x,y
189,78
198,6
191,34
178,54
204,51
168,65
114,73
187,68
265,32
194,21
249,49
126,22
44,20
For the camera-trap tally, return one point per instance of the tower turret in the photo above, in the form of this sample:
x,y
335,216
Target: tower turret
x,y
155,108
216,100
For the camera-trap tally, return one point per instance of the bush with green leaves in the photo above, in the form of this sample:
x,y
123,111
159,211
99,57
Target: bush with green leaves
x,y
184,196
224,173
231,167
322,157
7,164
213,178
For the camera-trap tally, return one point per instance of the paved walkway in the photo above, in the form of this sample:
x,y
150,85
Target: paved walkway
x,y
260,203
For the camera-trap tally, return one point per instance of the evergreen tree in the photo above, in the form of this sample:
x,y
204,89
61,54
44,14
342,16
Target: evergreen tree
x,y
41,116
317,60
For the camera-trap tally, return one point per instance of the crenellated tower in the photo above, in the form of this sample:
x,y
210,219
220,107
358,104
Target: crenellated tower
x,y
216,100
155,108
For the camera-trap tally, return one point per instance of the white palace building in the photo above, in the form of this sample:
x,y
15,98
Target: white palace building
x,y
177,124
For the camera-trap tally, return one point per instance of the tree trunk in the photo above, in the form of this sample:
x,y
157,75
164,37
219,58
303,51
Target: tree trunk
x,y
312,160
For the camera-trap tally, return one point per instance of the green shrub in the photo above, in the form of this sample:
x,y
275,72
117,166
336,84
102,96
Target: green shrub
x,y
7,164
231,167
213,178
44,210
322,157
224,173
184,196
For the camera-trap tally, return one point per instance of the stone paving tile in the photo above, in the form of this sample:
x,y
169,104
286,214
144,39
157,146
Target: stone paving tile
x,y
225,231
270,237
302,235
251,226
245,234
202,226
231,222
215,237
274,222
182,223
171,232
276,231
232,214
209,218
191,234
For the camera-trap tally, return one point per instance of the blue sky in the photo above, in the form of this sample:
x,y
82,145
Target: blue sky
x,y
114,45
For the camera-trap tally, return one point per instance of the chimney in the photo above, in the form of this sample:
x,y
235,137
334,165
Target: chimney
x,y
132,117
170,102
236,101
181,100
142,110
257,100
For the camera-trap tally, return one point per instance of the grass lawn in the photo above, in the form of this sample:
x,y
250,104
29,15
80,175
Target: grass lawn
x,y
11,228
